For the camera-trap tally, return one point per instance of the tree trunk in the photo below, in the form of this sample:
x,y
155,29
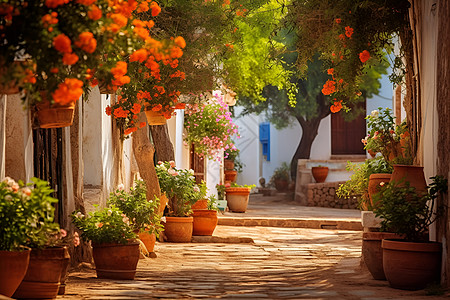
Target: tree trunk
x,y
161,141
144,153
310,130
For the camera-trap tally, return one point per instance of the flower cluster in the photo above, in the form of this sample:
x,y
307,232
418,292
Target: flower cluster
x,y
210,127
142,214
393,141
109,225
179,186
27,215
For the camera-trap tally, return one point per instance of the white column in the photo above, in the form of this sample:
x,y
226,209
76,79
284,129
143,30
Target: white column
x,y
179,137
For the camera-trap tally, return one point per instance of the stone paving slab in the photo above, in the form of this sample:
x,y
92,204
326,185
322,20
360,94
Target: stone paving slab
x,y
281,263
281,211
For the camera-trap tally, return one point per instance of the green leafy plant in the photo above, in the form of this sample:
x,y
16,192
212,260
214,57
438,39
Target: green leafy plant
x,y
357,185
233,155
281,173
212,203
27,215
405,212
393,141
107,225
142,213
180,188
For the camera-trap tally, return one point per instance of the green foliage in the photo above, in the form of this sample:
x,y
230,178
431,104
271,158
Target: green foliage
x,y
26,214
358,183
406,212
107,225
281,173
180,188
143,214
212,203
233,154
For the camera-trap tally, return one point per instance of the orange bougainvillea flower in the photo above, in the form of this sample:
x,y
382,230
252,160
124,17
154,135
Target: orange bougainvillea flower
x,y
329,87
70,59
54,70
62,43
336,107
338,20
142,124
136,108
348,31
108,110
29,76
95,13
139,55
180,42
342,37
55,3
130,130
119,19
86,42
143,7
157,107
180,106
86,2
68,91
120,69
141,32
330,71
155,8
176,52
364,56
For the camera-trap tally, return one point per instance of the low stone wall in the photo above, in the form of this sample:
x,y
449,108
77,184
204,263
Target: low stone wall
x,y
324,195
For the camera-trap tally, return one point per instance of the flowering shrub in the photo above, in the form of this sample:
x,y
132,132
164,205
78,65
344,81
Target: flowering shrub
x,y
143,214
109,225
180,188
27,215
209,127
393,141
221,190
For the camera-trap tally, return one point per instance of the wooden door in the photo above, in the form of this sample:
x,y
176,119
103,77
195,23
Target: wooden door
x,y
197,163
346,136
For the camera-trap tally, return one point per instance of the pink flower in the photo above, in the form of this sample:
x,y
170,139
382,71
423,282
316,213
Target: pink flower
x,y
26,191
63,233
172,164
99,225
227,184
76,239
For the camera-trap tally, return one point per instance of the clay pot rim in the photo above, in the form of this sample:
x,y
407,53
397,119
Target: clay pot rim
x,y
380,175
238,189
197,212
319,168
403,245
378,236
414,166
187,219
133,242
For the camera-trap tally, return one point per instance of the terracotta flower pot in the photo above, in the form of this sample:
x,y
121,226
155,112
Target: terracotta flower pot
x,y
13,267
412,174
149,240
237,198
155,117
411,266
200,204
54,115
281,185
372,252
319,173
205,221
230,175
374,184
228,164
44,273
179,229
116,261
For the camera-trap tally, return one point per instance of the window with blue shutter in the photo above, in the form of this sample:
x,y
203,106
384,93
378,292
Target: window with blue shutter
x,y
264,138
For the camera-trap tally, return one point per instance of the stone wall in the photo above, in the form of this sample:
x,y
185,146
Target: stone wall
x,y
324,195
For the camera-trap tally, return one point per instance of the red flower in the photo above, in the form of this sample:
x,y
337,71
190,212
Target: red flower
x,y
364,56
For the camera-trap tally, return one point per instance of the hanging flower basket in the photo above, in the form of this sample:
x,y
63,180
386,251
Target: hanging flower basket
x,y
54,115
155,118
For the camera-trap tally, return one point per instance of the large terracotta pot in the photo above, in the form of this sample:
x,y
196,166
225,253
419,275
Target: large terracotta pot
x,y
237,198
205,221
44,273
54,115
228,164
63,277
374,184
281,185
372,252
412,174
200,204
319,173
155,118
230,175
149,240
13,267
411,266
179,229
116,261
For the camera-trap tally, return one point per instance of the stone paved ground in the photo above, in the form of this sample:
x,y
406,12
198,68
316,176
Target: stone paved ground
x,y
281,263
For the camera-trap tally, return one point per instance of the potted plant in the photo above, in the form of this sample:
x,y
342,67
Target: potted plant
x,y
209,127
413,262
319,173
237,196
49,256
222,202
143,214
202,203
115,249
281,177
205,220
182,191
